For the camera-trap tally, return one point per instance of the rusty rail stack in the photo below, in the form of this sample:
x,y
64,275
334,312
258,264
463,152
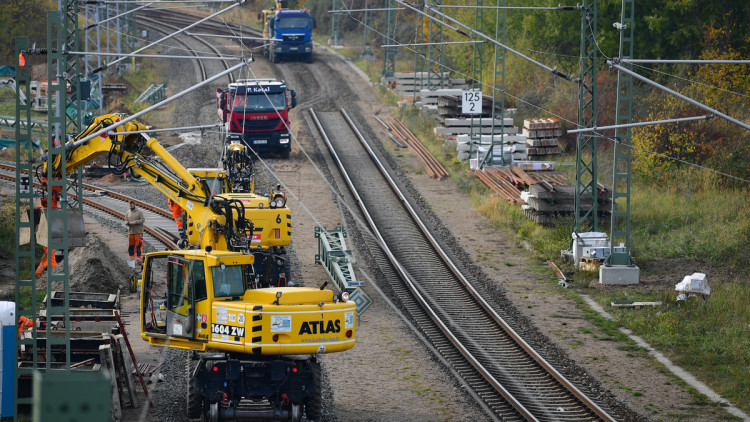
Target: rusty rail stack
x,y
403,135
507,183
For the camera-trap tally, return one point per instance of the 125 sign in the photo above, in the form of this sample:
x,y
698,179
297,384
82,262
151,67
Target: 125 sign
x,y
472,102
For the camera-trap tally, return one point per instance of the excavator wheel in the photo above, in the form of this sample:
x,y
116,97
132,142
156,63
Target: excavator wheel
x,y
295,413
213,412
194,399
314,404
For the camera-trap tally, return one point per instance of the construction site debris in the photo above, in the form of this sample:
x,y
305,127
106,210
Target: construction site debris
x,y
692,285
94,268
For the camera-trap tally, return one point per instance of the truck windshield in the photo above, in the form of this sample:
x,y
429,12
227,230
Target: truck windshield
x,y
244,103
293,23
228,281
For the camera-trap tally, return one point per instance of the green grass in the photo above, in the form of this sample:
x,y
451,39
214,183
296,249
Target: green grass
x,y
8,249
710,224
7,227
709,338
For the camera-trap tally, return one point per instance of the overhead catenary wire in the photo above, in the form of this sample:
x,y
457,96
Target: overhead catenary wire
x,y
433,43
104,2
659,61
170,129
153,107
691,81
154,56
458,72
105,66
366,10
637,62
554,71
232,37
451,6
677,94
638,124
93,25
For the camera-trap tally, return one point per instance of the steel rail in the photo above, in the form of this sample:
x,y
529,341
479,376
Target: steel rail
x,y
504,325
451,331
525,413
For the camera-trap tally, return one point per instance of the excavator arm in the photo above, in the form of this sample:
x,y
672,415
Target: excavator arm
x,y
126,148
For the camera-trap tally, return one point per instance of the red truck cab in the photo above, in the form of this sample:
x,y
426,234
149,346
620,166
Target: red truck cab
x,y
256,112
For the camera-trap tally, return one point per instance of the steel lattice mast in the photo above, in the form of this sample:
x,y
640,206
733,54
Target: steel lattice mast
x,y
586,151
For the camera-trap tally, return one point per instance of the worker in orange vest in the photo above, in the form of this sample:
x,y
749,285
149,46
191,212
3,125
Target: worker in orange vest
x,y
24,324
55,198
176,210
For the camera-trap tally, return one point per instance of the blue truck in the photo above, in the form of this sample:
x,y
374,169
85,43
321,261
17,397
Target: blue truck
x,y
289,33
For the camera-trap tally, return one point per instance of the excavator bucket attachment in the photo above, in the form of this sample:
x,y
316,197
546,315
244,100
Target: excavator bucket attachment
x,y
76,229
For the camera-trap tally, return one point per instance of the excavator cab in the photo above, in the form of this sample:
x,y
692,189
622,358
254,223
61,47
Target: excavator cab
x,y
178,290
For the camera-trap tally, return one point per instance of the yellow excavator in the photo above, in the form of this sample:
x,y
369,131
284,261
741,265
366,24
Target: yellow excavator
x,y
249,340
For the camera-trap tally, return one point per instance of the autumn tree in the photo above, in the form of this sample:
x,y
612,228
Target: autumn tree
x,y
714,143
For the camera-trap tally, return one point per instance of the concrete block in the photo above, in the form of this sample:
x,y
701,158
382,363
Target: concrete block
x,y
619,274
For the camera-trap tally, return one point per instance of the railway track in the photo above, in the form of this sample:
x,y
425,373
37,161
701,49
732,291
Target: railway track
x,y
160,230
512,381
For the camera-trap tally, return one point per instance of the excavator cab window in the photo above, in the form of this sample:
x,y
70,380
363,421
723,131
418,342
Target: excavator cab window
x,y
228,281
180,299
154,294
198,276
179,287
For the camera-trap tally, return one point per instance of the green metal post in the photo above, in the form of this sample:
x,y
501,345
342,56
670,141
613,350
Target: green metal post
x,y
56,62
586,154
71,65
335,37
366,47
498,84
74,109
130,34
389,38
476,73
25,255
420,54
620,230
435,53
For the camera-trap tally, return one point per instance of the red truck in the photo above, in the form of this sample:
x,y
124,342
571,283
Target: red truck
x,y
256,112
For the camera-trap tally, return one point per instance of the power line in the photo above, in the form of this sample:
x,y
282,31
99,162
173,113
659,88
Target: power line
x,y
481,35
562,118
512,7
677,94
158,56
728,91
649,123
685,61
169,36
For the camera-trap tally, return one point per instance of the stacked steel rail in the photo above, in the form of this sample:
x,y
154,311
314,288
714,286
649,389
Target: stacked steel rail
x,y
432,165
